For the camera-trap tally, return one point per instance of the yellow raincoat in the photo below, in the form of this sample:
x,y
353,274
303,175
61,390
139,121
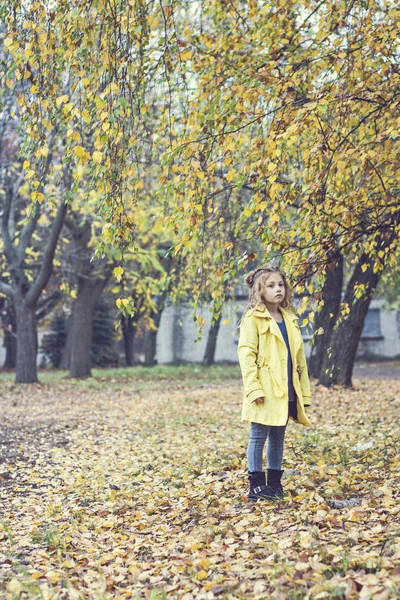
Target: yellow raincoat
x,y
263,359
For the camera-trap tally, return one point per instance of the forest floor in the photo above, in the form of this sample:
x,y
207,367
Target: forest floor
x,y
133,484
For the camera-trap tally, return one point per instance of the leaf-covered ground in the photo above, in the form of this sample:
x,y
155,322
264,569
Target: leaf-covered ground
x,y
135,487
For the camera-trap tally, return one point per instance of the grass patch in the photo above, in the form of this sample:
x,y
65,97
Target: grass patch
x,y
191,374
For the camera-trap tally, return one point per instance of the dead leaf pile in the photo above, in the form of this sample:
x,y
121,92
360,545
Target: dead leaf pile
x,y
107,492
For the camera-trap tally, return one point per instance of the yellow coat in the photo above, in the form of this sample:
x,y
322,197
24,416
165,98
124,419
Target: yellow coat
x,y
263,360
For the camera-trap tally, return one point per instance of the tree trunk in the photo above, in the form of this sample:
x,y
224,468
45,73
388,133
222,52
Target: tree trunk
x,y
209,354
27,344
337,367
78,345
128,332
10,334
10,344
327,317
150,341
66,351
81,335
91,278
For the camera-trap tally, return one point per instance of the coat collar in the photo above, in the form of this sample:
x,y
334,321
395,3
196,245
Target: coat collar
x,y
262,311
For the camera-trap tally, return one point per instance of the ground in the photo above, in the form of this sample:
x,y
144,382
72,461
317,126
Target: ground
x,y
133,485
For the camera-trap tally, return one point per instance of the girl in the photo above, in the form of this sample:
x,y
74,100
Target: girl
x,y
275,378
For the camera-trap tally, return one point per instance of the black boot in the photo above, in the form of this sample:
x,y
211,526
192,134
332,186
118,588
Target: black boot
x,y
274,482
258,489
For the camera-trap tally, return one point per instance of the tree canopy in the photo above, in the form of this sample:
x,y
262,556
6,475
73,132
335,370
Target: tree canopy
x,y
261,129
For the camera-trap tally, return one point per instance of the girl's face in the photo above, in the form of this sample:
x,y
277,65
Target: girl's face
x,y
274,290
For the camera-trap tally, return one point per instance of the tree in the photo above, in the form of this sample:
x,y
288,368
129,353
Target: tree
x,y
28,276
287,97
90,278
297,100
337,366
327,316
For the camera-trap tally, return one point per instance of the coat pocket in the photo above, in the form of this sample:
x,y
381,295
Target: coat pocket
x,y
267,376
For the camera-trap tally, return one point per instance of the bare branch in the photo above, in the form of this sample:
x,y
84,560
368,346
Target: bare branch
x,y
47,264
6,289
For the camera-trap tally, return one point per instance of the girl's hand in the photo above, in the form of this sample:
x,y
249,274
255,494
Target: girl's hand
x,y
258,400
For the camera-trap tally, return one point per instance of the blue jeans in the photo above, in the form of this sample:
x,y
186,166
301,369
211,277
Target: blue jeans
x,y
258,436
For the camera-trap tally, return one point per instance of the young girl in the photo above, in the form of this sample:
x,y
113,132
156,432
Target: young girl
x,y
275,378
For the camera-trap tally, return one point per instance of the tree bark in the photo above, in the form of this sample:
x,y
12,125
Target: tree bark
x,y
27,344
150,340
91,277
209,354
78,346
81,335
8,321
66,351
128,333
26,298
337,367
10,344
327,317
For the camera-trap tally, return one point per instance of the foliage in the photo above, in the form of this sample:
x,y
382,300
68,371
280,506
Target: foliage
x,y
296,102
110,490
267,130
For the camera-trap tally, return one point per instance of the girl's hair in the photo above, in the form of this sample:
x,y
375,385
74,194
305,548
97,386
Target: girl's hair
x,y
256,282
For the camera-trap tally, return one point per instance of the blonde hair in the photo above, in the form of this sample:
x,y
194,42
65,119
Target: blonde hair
x,y
255,281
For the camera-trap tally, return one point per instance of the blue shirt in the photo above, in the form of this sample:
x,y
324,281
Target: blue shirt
x,y
292,393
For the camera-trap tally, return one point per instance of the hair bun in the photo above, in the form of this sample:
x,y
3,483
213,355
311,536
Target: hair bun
x,y
249,279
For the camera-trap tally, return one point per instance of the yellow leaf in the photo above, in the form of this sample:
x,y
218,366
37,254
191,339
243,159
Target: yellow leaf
x,y
86,118
42,152
61,99
122,303
118,272
52,576
100,103
231,174
139,185
79,151
26,164
201,575
7,42
97,156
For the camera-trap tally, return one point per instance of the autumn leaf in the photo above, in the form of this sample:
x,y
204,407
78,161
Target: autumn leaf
x,y
124,489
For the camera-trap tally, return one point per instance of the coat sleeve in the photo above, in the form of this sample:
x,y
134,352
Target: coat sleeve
x,y
247,351
303,374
